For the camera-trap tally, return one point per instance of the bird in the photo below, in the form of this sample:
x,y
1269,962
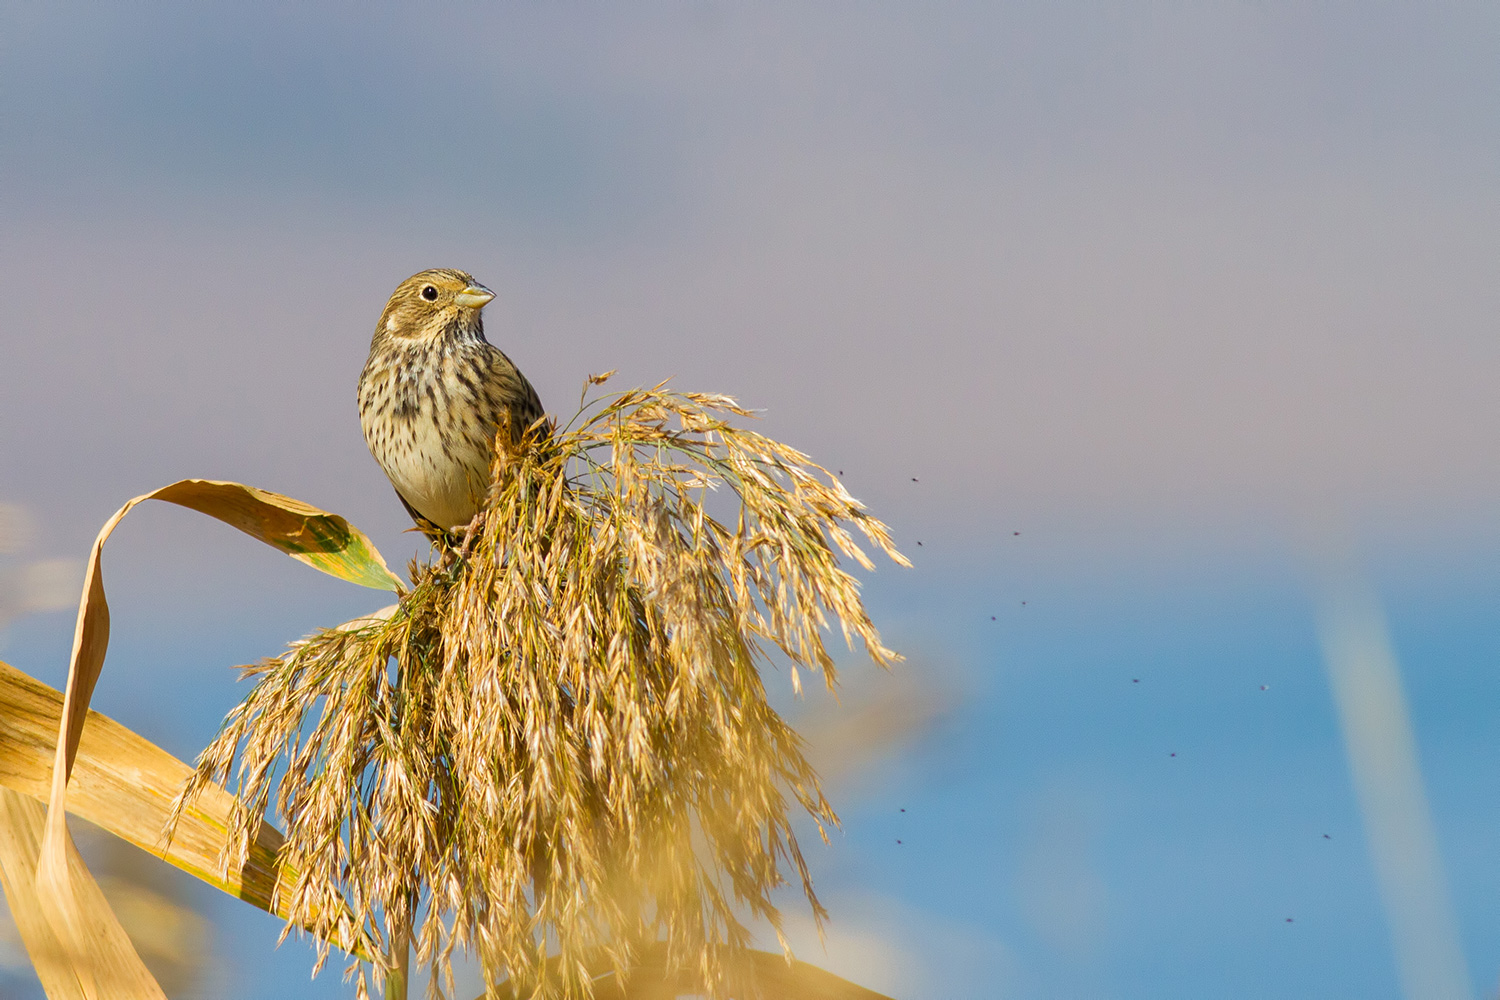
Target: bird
x,y
433,394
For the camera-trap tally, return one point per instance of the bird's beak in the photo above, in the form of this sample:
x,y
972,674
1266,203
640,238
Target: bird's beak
x,y
474,297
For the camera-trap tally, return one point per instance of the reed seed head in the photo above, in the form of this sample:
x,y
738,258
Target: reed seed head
x,y
560,744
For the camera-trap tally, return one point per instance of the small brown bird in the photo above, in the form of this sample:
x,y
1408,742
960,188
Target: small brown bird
x,y
433,394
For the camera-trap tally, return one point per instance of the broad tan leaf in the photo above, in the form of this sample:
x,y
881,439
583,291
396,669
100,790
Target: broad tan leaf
x,y
82,951
799,981
21,821
125,784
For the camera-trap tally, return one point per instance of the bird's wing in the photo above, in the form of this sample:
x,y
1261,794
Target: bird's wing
x,y
513,389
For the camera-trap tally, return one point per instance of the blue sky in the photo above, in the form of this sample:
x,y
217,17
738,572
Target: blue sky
x,y
1156,287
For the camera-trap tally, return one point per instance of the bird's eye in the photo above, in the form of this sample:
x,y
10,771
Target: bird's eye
x,y
429,293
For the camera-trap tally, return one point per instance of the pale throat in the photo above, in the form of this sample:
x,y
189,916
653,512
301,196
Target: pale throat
x,y
465,327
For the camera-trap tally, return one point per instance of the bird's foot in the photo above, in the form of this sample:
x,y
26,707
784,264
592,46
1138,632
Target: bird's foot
x,y
454,546
471,532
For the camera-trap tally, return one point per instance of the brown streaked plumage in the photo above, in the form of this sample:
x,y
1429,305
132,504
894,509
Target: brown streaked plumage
x,y
434,392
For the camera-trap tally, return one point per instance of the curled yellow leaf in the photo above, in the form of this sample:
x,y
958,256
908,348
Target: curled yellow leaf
x,y
108,965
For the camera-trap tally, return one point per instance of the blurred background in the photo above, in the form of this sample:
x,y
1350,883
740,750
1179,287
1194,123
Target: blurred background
x,y
1117,313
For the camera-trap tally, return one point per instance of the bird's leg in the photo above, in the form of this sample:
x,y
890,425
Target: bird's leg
x,y
470,533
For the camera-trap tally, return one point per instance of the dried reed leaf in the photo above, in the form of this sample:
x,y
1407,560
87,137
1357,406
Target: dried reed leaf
x,y
774,977
91,956
560,740
125,785
21,821
324,541
652,978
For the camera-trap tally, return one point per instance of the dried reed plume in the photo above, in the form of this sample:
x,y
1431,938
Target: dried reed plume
x,y
559,740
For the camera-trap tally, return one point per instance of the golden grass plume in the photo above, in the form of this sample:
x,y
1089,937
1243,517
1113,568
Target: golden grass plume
x,y
559,742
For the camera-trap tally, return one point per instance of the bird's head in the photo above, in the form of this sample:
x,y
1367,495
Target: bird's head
x,y
433,304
